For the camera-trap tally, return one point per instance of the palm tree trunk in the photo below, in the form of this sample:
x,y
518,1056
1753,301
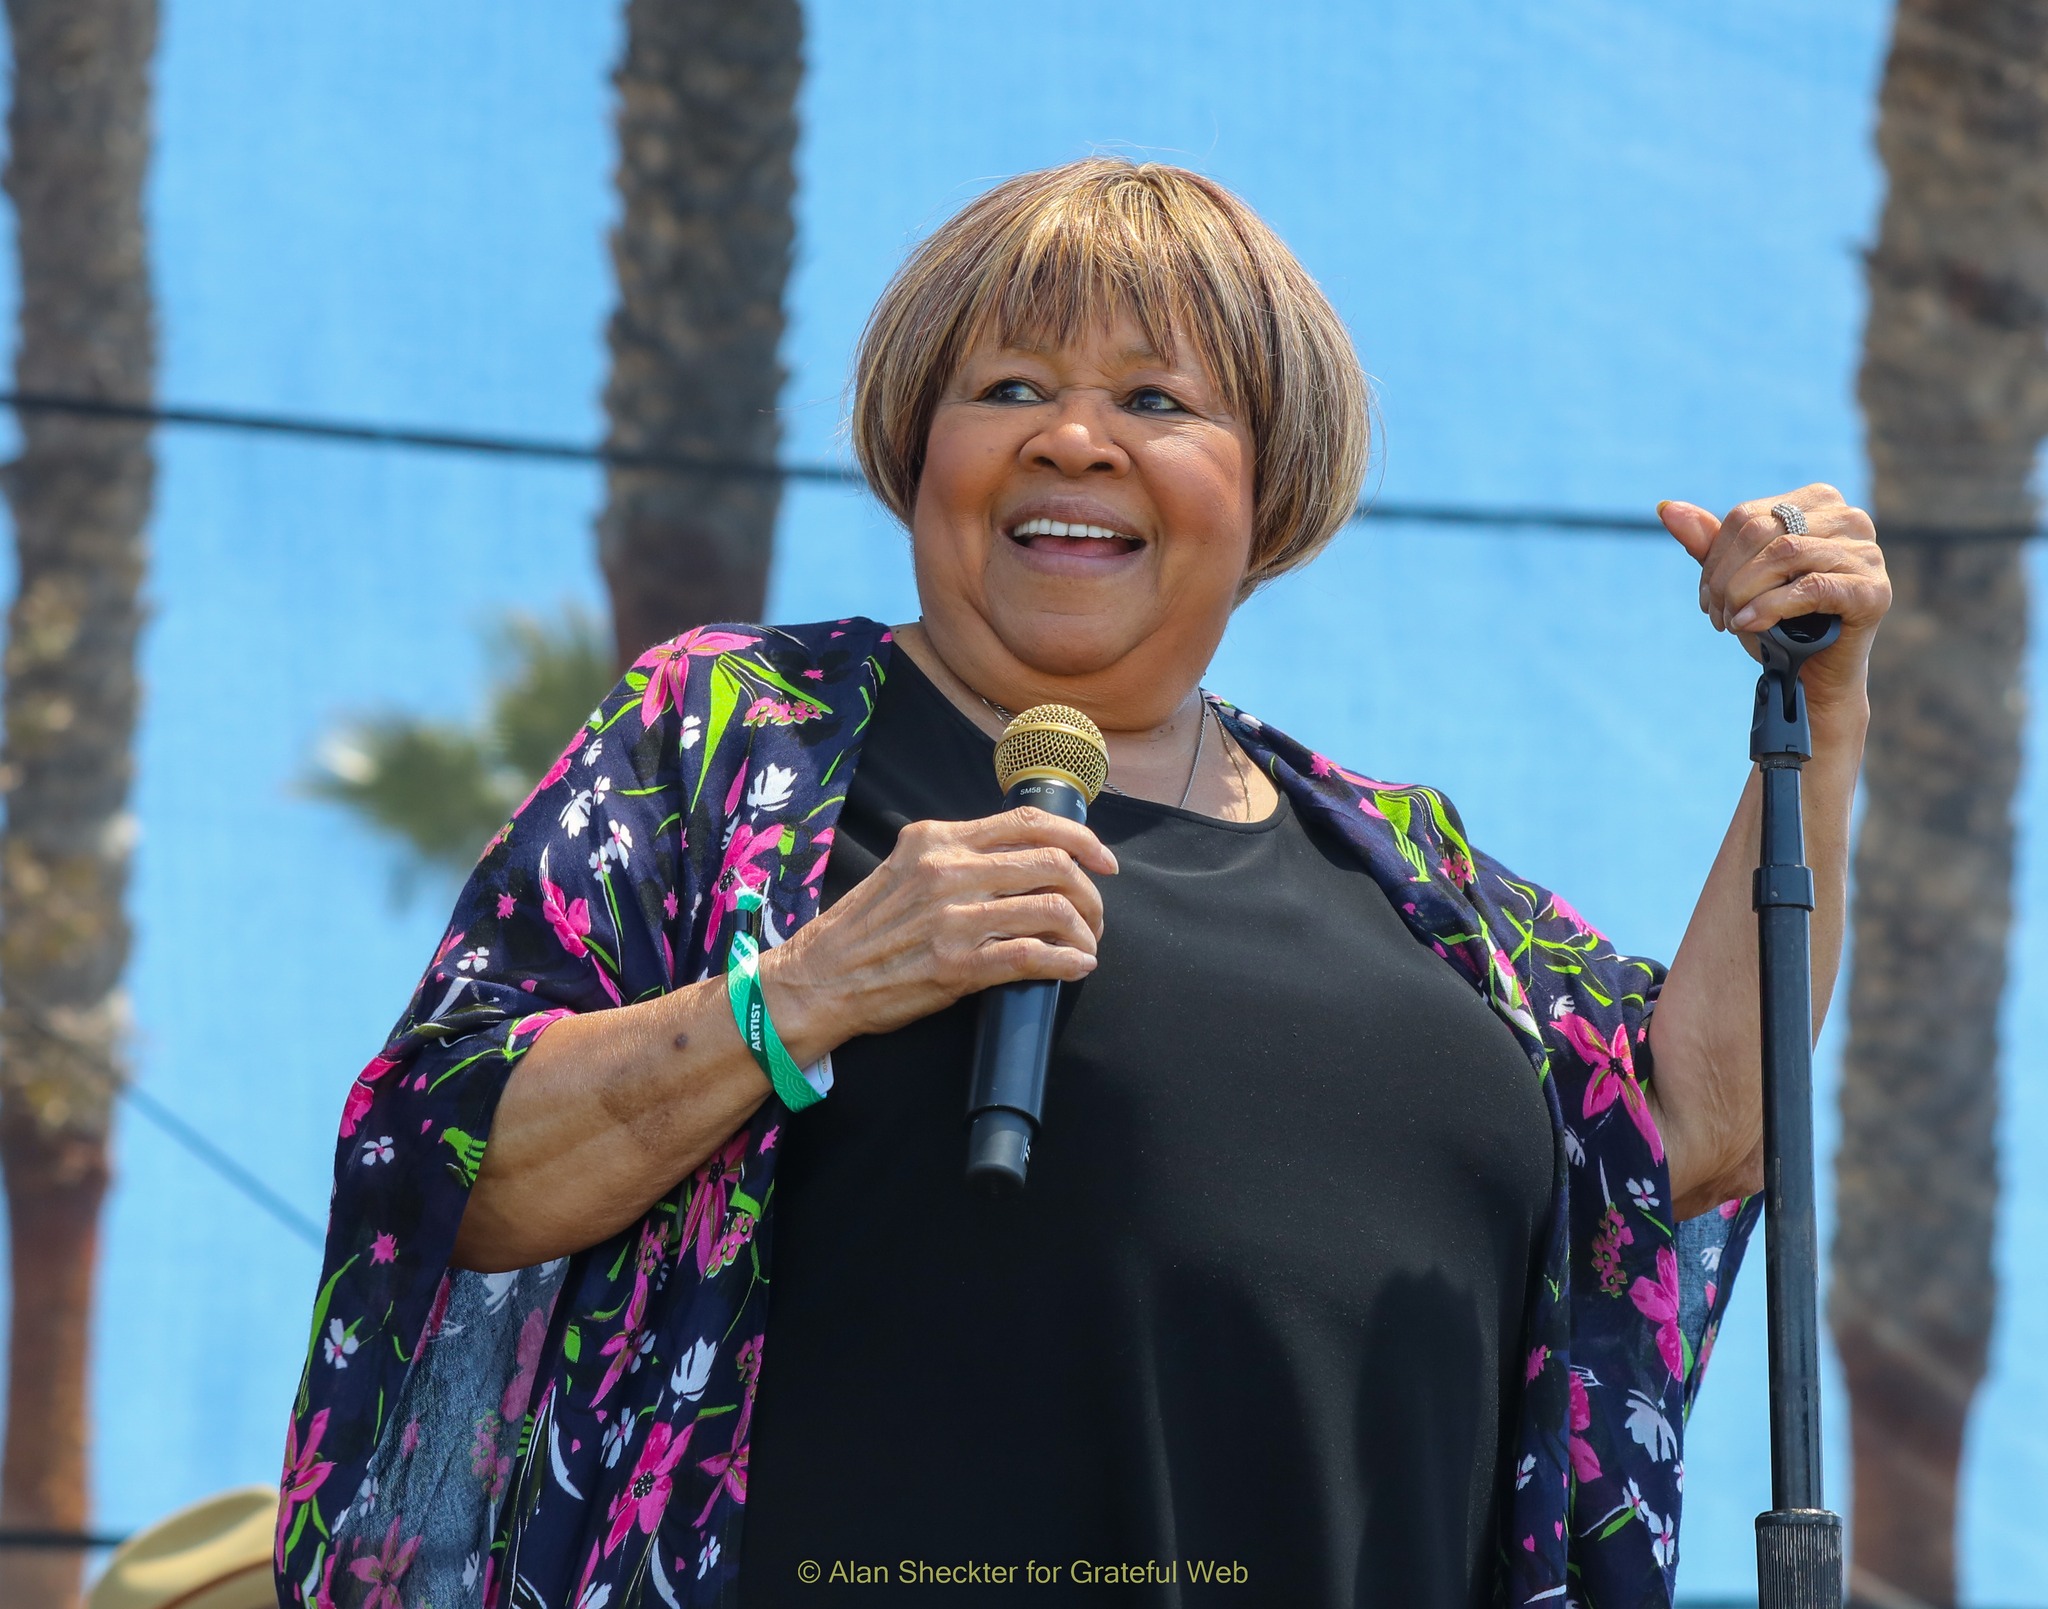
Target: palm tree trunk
x,y
707,143
79,131
1955,398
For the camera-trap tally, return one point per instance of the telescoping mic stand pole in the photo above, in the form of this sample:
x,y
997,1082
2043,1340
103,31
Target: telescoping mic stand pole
x,y
1798,1543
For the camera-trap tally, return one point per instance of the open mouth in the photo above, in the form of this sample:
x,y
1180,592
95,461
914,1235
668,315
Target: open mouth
x,y
1071,536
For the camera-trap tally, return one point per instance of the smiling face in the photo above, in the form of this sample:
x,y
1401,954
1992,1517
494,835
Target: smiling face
x,y
1083,523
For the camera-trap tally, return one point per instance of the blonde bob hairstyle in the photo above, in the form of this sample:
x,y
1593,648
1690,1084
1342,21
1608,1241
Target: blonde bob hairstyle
x,y
1045,255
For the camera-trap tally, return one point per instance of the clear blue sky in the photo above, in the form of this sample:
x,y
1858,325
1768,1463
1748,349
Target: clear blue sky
x,y
1594,253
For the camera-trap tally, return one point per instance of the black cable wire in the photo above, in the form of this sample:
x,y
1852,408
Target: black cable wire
x,y
29,1536
213,1157
433,440
534,447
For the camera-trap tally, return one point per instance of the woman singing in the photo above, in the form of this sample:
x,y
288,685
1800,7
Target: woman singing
x,y
1380,1227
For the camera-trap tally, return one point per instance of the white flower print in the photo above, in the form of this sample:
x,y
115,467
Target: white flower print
x,y
693,729
595,1596
771,787
1663,1538
1710,1258
474,960
708,1557
1643,1192
575,814
339,1345
378,1150
1525,1470
1574,1148
1678,1476
592,750
1647,1424
616,1435
470,1567
498,1289
1632,1497
621,844
693,1371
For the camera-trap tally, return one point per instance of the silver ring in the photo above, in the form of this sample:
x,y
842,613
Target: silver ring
x,y
1793,517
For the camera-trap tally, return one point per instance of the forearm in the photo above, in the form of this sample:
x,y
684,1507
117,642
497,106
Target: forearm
x,y
1707,1090
601,1119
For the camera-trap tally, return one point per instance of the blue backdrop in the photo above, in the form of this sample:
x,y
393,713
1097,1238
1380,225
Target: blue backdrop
x,y
1594,255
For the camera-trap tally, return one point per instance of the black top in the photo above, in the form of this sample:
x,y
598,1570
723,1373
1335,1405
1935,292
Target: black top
x,y
1259,1303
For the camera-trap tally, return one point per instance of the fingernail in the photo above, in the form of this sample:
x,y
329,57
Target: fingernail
x,y
1744,620
1662,505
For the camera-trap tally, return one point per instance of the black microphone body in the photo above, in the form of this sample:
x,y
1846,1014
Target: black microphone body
x,y
1013,1042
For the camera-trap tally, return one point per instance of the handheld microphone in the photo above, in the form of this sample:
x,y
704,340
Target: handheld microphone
x,y
1052,757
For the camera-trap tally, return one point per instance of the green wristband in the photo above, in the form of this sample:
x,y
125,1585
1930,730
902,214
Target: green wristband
x,y
750,1013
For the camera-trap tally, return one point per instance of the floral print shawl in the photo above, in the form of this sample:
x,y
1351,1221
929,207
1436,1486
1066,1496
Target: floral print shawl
x,y
575,1435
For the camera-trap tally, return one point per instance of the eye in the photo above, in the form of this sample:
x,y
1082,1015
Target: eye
x,y
1012,391
1150,399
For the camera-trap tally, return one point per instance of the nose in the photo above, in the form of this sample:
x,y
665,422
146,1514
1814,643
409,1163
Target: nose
x,y
1078,439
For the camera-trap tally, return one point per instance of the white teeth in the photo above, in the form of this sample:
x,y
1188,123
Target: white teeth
x,y
1046,527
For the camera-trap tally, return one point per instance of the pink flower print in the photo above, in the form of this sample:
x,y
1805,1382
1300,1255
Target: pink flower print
x,y
1585,1464
768,1140
710,1197
506,906
1608,1240
437,1310
1657,1301
1537,1359
740,871
357,1106
626,1350
531,1334
648,1491
410,1441
669,905
304,1473
821,846
533,1022
384,1568
668,669
491,1468
1320,765
552,775
815,675
730,1470
1561,908
569,918
384,1249
732,1242
1614,1076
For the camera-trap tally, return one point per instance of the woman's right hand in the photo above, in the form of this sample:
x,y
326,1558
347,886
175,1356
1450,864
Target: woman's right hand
x,y
958,906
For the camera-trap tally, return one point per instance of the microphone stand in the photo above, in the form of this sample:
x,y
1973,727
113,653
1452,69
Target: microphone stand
x,y
1799,1542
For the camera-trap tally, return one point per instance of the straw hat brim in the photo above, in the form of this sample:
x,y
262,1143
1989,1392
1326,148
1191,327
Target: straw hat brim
x,y
214,1555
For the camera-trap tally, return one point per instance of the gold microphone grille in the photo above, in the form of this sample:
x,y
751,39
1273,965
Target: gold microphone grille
x,y
1053,740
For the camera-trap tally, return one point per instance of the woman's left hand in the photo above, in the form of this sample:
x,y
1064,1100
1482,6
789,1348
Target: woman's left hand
x,y
1754,573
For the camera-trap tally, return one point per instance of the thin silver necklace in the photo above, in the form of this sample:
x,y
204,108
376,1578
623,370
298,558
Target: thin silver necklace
x,y
1194,765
